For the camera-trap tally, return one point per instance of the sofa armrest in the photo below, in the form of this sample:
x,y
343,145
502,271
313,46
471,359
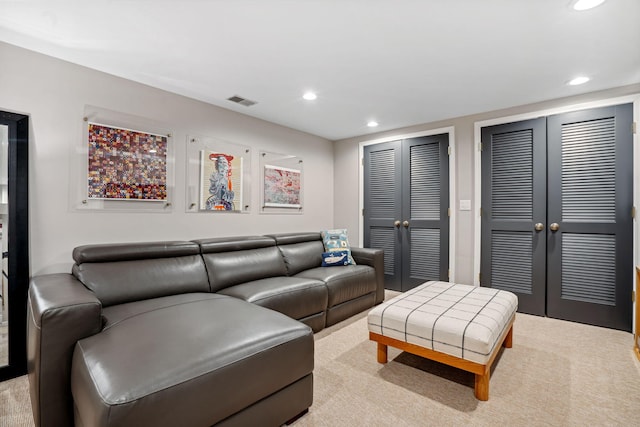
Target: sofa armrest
x,y
375,259
61,311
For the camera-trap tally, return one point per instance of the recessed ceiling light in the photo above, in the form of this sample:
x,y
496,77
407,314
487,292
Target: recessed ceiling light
x,y
309,96
372,123
587,4
578,81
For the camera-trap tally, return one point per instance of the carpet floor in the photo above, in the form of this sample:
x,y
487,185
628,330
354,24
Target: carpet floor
x,y
558,373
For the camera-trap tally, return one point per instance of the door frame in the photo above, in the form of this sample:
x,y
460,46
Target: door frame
x,y
477,193
452,187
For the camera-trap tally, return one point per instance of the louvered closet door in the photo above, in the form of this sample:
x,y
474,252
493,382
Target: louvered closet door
x,y
406,200
590,180
513,252
425,208
383,206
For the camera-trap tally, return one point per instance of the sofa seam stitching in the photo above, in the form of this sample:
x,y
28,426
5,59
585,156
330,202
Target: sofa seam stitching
x,y
158,309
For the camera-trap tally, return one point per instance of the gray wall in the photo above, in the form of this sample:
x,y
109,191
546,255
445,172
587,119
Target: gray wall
x,y
54,93
347,170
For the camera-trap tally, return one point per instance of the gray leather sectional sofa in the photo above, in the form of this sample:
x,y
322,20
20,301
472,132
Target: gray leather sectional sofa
x,y
180,333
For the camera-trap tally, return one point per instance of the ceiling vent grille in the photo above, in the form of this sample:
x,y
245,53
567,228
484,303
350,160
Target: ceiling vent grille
x,y
242,101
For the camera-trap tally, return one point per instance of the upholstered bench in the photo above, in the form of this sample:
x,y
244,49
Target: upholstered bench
x,y
459,325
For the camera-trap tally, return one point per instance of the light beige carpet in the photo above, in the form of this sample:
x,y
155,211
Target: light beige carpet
x,y
15,406
557,374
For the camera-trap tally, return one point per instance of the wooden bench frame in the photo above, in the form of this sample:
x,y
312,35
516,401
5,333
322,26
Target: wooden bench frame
x,y
482,372
636,333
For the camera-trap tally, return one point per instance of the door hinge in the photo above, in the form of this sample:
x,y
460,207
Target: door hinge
x,y
448,274
479,277
362,211
480,211
480,146
448,211
633,212
633,296
449,150
362,161
634,127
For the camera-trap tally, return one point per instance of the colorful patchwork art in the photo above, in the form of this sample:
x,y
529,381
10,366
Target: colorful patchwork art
x,y
126,164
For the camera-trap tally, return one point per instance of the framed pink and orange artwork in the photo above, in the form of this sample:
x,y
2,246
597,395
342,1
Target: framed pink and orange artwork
x,y
282,187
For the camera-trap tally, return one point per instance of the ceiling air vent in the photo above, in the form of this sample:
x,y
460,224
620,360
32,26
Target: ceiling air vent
x,y
242,101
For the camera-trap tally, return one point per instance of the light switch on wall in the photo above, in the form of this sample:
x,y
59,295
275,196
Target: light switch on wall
x,y
465,205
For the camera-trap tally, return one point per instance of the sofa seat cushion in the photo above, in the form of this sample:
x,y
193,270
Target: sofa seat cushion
x,y
344,283
194,363
297,297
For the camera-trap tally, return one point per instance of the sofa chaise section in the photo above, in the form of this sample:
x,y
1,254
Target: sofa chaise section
x,y
194,363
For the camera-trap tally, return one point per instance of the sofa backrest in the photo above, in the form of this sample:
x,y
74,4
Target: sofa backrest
x,y
234,260
300,251
120,273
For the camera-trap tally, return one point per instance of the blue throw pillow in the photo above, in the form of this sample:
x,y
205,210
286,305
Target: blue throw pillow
x,y
335,258
337,240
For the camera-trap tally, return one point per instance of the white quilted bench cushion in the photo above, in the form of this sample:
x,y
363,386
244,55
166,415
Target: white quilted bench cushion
x,y
460,320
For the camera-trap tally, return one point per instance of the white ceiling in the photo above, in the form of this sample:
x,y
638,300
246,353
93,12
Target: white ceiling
x,y
399,62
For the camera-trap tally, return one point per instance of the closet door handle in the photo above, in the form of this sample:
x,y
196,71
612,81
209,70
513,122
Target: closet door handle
x,y
554,227
397,223
539,226
405,224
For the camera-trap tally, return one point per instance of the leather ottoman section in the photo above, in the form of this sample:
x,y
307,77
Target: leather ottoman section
x,y
344,283
297,297
195,363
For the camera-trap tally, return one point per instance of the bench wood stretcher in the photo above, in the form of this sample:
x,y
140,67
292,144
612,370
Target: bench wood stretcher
x,y
482,372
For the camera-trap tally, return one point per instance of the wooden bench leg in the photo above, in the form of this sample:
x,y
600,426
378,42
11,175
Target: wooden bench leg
x,y
382,353
482,385
508,340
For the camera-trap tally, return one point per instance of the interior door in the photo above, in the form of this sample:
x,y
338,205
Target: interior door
x,y
590,239
425,210
383,206
557,229
513,241
406,201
